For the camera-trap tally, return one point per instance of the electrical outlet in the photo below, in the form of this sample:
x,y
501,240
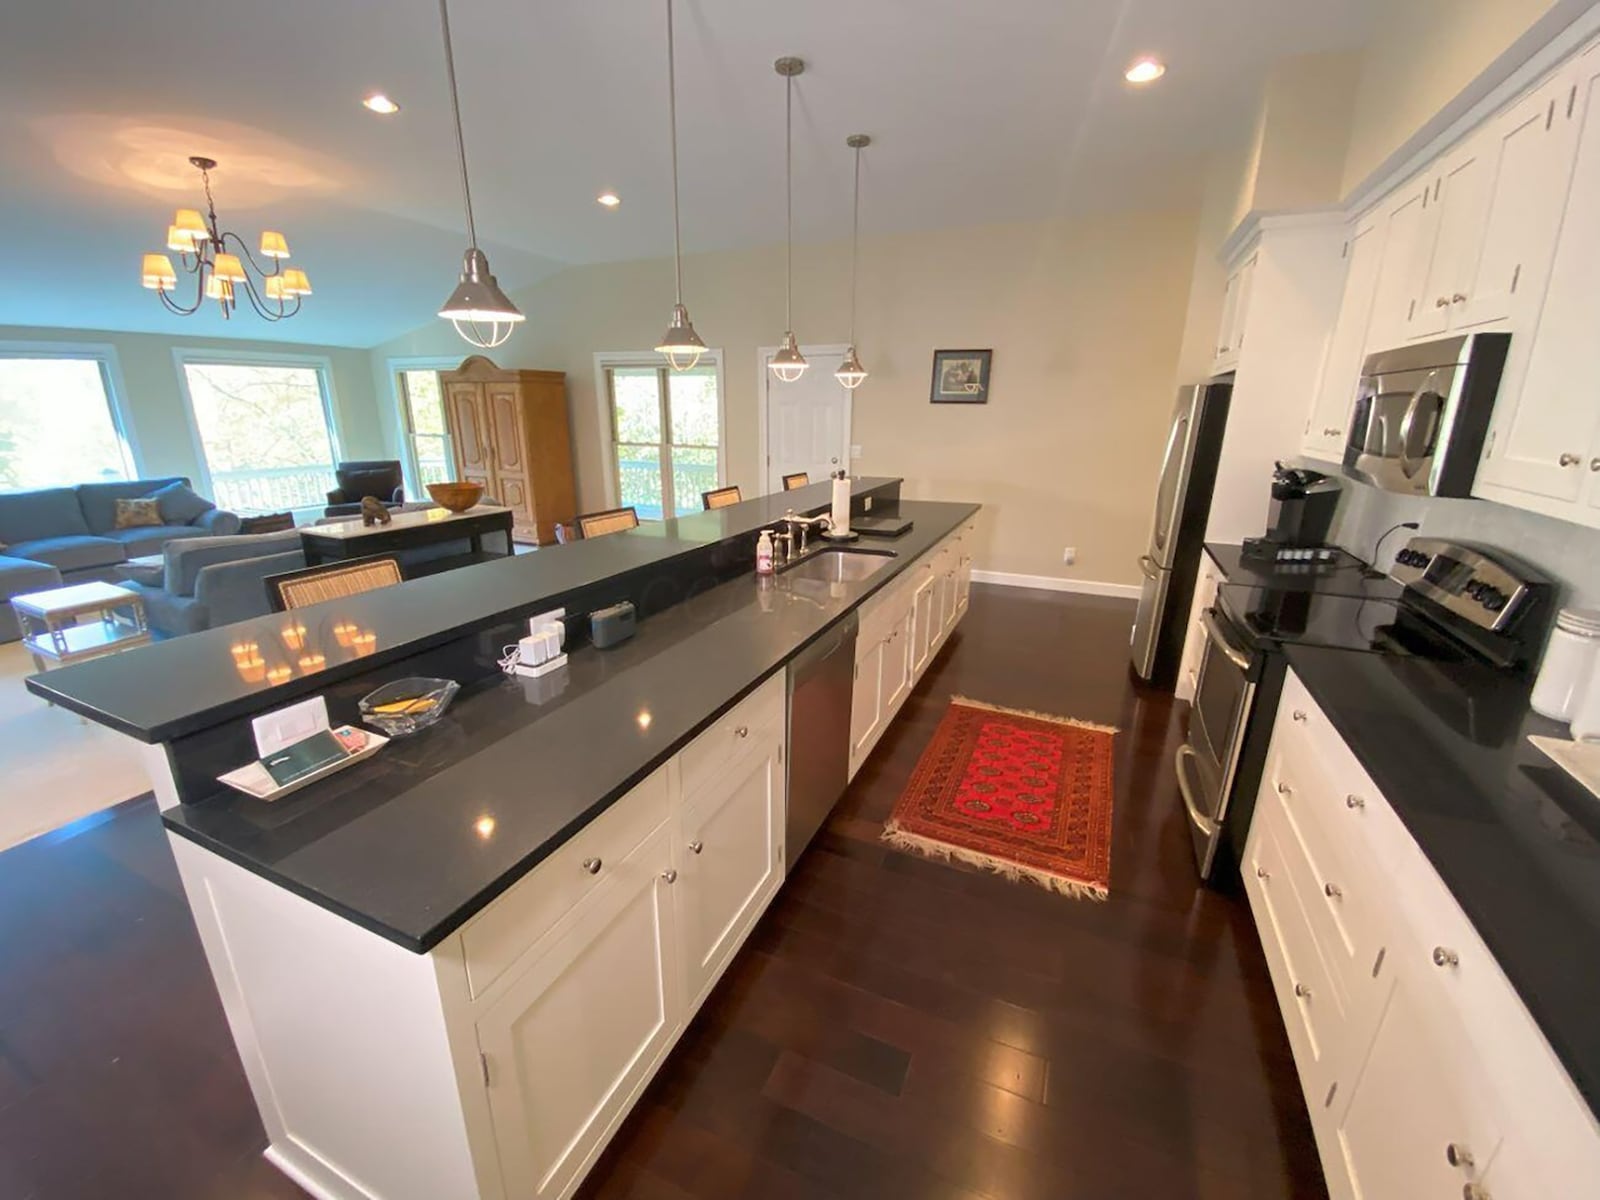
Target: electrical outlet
x,y
866,504
855,450
1069,555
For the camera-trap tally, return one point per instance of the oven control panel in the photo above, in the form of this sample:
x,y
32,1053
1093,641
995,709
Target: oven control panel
x,y
1464,580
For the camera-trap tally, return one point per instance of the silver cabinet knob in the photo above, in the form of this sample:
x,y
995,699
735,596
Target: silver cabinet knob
x,y
1263,873
1333,891
1475,1191
670,875
1458,1155
1299,715
1594,464
696,846
1302,991
1354,801
743,731
1443,956
1442,302
1284,789
1570,460
592,865
1459,298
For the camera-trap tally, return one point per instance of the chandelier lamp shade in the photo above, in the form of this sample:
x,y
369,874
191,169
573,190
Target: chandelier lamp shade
x,y
220,265
788,364
851,372
482,314
681,344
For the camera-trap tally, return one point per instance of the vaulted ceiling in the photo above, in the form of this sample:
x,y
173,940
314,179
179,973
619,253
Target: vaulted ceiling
x,y
1010,110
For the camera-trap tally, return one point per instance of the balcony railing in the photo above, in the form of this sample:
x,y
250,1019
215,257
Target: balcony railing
x,y
272,489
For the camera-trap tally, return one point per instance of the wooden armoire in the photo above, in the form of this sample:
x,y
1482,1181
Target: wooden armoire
x,y
510,433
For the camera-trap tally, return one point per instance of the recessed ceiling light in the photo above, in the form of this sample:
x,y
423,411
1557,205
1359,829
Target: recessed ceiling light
x,y
379,103
1145,70
609,199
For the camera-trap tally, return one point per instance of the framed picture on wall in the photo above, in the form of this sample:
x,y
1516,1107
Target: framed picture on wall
x,y
961,376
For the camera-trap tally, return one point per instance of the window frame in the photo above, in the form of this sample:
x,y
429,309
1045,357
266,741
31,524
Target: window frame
x,y
186,356
104,354
604,362
404,434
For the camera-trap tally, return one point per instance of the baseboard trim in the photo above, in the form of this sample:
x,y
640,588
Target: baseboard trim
x,y
1053,583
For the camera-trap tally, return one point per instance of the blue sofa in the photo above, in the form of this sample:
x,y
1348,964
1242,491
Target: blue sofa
x,y
56,536
201,584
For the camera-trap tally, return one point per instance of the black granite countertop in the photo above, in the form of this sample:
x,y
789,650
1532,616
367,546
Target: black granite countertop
x,y
398,844
1349,576
1516,840
199,685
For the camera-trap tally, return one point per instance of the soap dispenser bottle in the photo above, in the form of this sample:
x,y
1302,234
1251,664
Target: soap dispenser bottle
x,y
764,553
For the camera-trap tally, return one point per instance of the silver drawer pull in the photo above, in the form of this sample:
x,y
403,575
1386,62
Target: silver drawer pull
x,y
1458,1155
696,846
1570,460
1302,991
1443,956
1459,298
1299,715
592,865
743,731
670,875
1442,302
1284,789
1354,801
1333,891
1263,873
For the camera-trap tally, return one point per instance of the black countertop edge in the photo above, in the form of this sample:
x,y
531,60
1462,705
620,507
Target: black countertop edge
x,y
935,521
1514,839
75,687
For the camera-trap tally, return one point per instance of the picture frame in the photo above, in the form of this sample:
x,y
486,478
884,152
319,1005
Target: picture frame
x,y
960,377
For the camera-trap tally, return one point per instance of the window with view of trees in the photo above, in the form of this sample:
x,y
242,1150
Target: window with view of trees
x,y
427,435
265,432
666,428
58,424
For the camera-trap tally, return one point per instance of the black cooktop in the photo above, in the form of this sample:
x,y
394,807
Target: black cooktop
x,y
1364,616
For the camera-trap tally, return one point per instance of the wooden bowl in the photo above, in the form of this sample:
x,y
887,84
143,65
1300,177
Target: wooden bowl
x,y
457,497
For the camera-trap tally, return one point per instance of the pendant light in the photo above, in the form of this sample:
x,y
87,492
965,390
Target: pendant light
x,y
681,344
480,311
851,372
788,364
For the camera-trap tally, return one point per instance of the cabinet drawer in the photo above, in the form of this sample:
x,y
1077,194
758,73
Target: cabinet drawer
x,y
732,734
501,933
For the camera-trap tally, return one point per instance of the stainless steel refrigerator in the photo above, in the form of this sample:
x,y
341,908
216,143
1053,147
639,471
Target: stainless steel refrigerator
x,y
1178,529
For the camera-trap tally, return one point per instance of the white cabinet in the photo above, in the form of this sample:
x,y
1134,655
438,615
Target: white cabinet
x,y
1543,451
866,697
924,616
1405,222
1450,230
729,859
895,684
1235,309
570,1041
1341,363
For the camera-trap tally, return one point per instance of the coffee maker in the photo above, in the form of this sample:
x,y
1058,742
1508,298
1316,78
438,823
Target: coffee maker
x,y
1299,516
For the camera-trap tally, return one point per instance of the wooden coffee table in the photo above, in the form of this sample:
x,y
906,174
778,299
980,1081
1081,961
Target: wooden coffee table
x,y
53,634
340,540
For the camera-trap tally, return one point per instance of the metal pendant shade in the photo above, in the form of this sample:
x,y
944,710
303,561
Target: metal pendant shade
x,y
788,364
482,314
851,372
681,344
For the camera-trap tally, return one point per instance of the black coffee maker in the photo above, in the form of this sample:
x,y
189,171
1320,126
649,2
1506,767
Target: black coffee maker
x,y
1298,518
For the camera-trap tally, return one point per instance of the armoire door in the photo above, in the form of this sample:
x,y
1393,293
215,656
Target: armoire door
x,y
464,407
508,447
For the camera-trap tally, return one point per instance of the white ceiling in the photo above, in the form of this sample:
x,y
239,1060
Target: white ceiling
x,y
1009,110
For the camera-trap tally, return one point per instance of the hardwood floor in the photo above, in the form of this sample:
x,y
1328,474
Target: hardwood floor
x,y
894,1028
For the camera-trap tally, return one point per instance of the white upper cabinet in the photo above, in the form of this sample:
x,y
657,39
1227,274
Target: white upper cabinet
x,y
1341,364
1543,450
1448,243
1405,225
1235,309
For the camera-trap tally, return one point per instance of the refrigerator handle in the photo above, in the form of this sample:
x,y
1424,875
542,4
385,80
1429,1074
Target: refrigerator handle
x,y
1148,566
1171,466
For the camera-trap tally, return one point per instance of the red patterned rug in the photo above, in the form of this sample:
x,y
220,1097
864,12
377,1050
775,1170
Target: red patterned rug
x,y
1023,794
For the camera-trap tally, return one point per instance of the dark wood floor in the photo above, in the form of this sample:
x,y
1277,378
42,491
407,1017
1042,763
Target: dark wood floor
x,y
894,1028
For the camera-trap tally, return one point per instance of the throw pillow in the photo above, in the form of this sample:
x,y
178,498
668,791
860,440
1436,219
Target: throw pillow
x,y
134,513
180,504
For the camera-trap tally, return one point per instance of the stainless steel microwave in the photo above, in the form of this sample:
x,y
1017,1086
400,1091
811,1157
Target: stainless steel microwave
x,y
1422,412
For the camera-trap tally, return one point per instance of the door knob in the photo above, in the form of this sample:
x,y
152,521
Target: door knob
x,y
696,846
834,461
1570,460
1443,956
592,865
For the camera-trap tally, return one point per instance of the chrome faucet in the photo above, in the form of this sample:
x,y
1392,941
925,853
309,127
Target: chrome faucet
x,y
804,525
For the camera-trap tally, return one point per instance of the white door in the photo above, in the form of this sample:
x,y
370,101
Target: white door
x,y
1543,441
1341,367
571,1040
807,422
729,862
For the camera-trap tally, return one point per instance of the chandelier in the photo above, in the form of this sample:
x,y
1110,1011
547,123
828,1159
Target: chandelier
x,y
222,266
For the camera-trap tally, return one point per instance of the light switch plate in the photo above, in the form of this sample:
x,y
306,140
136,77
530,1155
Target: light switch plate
x,y
855,450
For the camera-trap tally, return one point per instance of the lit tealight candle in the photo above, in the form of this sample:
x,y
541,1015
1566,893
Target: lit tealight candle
x,y
343,633
363,642
244,652
277,675
310,664
252,670
294,636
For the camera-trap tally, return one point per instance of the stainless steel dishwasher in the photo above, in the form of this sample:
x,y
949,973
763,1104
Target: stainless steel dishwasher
x,y
821,680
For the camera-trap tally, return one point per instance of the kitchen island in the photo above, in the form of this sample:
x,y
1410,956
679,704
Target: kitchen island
x,y
450,970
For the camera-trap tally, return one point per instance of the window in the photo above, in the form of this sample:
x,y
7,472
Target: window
x,y
425,436
58,420
264,431
665,435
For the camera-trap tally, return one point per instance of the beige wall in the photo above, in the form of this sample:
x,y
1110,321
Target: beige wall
x,y
1085,320
153,405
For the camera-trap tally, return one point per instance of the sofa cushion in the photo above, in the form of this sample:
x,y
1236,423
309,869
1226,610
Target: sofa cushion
x,y
19,576
43,513
186,556
71,553
150,539
140,513
98,501
181,504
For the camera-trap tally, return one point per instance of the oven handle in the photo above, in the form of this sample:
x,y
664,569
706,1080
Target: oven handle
x,y
1201,821
1213,628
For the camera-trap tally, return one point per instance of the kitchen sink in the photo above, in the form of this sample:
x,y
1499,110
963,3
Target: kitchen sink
x,y
839,566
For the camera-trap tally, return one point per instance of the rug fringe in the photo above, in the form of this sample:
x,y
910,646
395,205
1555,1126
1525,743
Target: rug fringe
x,y
1034,716
903,839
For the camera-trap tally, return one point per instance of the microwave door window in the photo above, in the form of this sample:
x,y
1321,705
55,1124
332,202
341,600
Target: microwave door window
x,y
1419,432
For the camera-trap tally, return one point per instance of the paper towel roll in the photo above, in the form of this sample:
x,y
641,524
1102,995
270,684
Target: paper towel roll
x,y
841,506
